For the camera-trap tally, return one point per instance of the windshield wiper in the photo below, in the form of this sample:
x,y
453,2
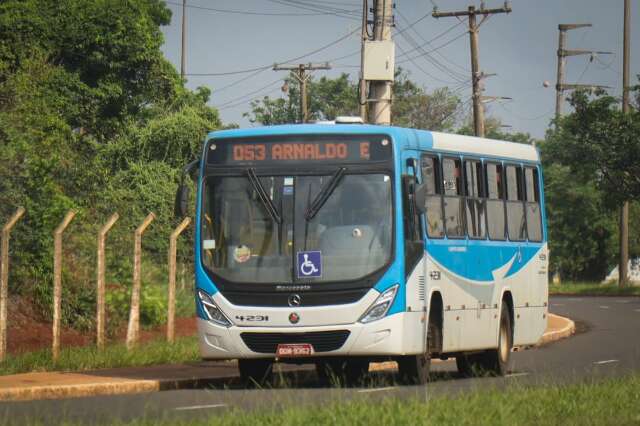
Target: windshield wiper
x,y
266,201
324,194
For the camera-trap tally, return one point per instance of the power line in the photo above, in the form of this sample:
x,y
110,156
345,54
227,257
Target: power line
x,y
434,49
433,61
234,83
520,117
249,12
342,13
429,42
242,97
249,100
264,67
584,70
425,72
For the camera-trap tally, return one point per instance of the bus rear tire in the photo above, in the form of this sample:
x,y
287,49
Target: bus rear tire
x,y
496,362
255,372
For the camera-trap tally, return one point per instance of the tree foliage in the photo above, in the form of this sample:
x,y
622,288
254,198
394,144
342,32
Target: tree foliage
x,y
591,165
598,140
493,130
92,118
413,106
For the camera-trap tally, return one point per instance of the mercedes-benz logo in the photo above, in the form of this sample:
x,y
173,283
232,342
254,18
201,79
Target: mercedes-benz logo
x,y
294,300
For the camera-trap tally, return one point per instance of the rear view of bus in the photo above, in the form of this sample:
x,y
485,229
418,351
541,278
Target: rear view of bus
x,y
305,253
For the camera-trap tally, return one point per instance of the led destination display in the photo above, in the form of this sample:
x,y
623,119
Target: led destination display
x,y
336,150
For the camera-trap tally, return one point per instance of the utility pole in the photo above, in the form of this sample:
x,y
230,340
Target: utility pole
x,y
561,87
380,90
624,212
476,75
362,98
299,72
184,39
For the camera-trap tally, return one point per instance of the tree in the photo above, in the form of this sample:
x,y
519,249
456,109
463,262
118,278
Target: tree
x,y
412,106
597,139
92,118
598,146
493,130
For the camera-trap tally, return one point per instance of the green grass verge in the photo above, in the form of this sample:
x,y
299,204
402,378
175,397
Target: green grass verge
x,y
610,402
87,358
595,289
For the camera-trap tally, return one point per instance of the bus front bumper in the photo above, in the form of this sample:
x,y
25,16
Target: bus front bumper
x,y
402,333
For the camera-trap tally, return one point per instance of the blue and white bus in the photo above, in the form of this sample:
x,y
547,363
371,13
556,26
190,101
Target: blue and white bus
x,y
343,244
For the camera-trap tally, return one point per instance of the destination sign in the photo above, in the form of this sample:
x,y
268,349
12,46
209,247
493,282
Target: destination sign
x,y
299,150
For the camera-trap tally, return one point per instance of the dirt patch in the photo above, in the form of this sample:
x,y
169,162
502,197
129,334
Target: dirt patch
x,y
27,332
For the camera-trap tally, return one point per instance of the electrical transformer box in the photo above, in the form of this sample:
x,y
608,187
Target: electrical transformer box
x,y
379,60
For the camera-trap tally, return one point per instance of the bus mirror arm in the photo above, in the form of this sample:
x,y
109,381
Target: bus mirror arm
x,y
420,197
181,206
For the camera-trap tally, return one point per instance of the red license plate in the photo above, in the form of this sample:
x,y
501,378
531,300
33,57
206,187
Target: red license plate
x,y
289,350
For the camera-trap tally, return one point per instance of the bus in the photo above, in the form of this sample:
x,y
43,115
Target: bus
x,y
345,244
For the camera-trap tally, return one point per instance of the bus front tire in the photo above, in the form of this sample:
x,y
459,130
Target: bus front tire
x,y
255,371
342,372
414,369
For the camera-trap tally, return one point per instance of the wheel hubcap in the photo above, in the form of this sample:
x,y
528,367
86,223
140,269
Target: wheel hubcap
x,y
504,346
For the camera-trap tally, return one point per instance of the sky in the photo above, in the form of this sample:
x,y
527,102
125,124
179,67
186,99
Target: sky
x,y
519,47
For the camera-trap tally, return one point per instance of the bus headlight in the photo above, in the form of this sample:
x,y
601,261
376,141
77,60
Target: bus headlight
x,y
380,307
214,313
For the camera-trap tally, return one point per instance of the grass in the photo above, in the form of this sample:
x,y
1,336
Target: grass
x,y
87,358
614,401
593,289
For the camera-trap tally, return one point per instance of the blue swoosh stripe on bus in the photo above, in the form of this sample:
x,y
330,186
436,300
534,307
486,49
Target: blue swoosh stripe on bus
x,y
479,259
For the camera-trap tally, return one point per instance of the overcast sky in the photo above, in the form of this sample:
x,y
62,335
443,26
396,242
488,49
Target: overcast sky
x,y
520,48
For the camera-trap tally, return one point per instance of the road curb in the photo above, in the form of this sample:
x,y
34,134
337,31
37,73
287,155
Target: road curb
x,y
116,387
563,328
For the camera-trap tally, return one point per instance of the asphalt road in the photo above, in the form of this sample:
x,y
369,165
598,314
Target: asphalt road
x,y
607,344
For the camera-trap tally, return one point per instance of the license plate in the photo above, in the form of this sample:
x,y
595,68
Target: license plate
x,y
289,350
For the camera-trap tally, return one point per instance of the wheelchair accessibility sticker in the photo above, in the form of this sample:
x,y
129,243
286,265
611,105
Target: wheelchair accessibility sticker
x,y
309,264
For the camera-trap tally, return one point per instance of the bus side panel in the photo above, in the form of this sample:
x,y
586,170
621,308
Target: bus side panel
x,y
530,294
469,320
415,302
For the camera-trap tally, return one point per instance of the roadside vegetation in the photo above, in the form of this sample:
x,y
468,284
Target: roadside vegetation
x,y
614,401
184,349
593,289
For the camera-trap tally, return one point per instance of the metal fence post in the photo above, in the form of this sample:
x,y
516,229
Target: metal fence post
x,y
100,287
57,282
133,330
173,248
4,279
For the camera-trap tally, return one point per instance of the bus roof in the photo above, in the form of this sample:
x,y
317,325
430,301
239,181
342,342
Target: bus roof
x,y
405,139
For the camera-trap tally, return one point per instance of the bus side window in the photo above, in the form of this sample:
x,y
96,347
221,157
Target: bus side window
x,y
516,222
532,191
476,204
495,201
453,199
413,243
433,202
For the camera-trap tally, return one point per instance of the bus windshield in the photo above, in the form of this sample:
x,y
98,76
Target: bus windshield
x,y
348,236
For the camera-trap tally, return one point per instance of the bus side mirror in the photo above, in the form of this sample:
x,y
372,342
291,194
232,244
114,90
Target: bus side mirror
x,y
420,197
181,206
182,200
